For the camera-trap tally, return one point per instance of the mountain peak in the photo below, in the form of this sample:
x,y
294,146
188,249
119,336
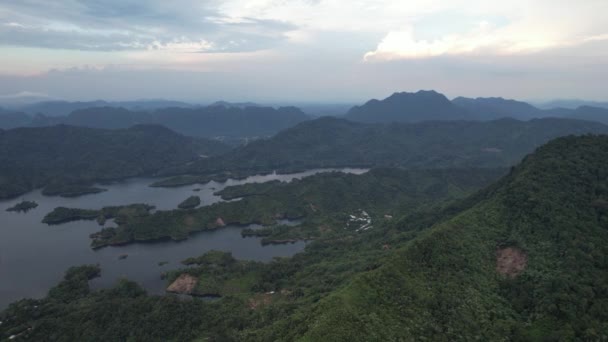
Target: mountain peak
x,y
423,105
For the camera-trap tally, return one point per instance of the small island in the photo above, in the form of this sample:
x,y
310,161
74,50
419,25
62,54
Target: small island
x,y
23,206
190,203
120,214
70,190
63,215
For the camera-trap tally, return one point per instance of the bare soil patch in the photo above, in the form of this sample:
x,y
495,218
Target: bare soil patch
x,y
184,284
220,222
189,221
510,261
260,300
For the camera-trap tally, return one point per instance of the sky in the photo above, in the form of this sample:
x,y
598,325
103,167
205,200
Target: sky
x,y
302,50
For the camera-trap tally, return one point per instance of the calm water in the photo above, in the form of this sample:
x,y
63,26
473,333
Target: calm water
x,y
34,256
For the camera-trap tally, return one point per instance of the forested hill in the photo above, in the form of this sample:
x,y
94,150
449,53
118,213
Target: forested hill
x,y
11,119
433,106
35,157
589,113
522,260
331,142
409,107
527,262
491,108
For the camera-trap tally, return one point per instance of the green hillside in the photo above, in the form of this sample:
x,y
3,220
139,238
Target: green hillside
x,y
67,158
331,142
524,259
324,200
526,263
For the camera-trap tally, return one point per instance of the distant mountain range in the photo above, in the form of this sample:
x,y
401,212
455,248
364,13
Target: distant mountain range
x,y
242,122
63,108
227,104
491,108
571,104
430,105
216,121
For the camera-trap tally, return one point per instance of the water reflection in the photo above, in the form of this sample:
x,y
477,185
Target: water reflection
x,y
34,256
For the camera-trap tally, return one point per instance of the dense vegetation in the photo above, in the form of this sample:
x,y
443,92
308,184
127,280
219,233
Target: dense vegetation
x,y
121,214
62,215
448,284
72,312
252,291
319,200
68,159
218,274
190,203
523,259
331,142
23,206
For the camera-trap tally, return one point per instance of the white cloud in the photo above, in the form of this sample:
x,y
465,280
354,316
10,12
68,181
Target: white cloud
x,y
533,26
13,24
596,38
320,45
182,44
484,40
530,25
23,94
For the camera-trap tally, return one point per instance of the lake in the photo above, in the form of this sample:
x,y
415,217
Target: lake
x,y
34,256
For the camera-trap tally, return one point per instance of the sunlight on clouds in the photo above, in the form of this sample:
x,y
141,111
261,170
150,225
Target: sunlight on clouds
x,y
182,45
485,39
533,26
315,42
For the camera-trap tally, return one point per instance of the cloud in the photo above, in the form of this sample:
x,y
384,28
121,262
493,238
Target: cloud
x,y
23,94
530,27
112,25
253,48
484,40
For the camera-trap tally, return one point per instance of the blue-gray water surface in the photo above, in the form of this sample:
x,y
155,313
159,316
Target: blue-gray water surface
x,y
34,256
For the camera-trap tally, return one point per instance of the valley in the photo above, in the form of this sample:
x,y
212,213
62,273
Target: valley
x,y
328,230
67,244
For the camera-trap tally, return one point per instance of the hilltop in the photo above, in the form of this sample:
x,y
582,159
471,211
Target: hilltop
x,y
408,107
